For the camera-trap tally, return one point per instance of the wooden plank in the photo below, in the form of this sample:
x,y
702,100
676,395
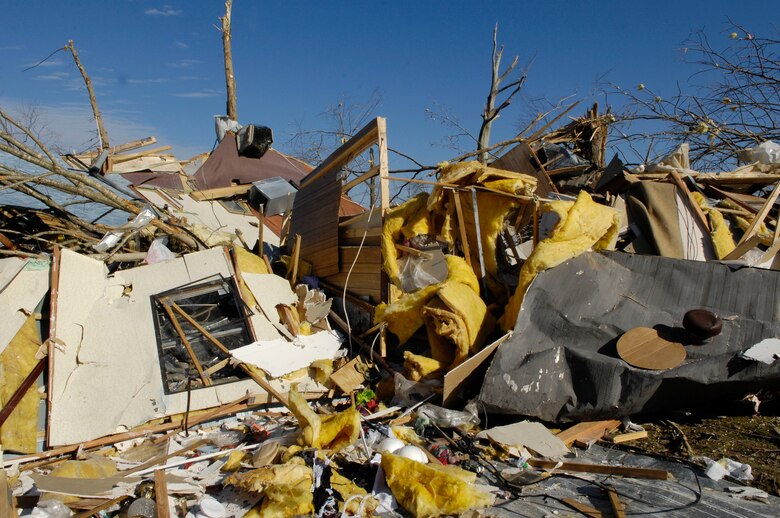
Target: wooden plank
x,y
614,501
632,436
175,322
220,192
348,378
588,431
464,240
603,469
360,179
21,391
688,196
105,505
350,149
315,217
128,146
219,345
161,494
368,254
7,507
743,248
294,259
384,173
118,159
761,214
457,377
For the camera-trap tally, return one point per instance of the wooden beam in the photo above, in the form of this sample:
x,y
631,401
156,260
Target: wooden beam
x,y
761,214
220,192
161,494
604,469
360,179
688,196
384,173
631,436
614,501
119,158
260,381
128,146
742,248
294,259
353,147
464,240
588,431
175,322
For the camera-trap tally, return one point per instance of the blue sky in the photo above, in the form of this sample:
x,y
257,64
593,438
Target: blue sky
x,y
157,66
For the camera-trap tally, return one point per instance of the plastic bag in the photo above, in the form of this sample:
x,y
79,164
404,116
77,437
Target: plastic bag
x,y
108,242
158,252
409,393
766,153
445,418
419,271
51,509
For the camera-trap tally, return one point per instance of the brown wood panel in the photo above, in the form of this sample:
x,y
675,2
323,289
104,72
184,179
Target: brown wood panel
x,y
518,160
315,217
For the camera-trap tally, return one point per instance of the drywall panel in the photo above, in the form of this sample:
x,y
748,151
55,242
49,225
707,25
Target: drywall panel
x,y
106,377
23,284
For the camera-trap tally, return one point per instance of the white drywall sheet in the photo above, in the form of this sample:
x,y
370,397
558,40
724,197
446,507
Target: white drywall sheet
x,y
107,376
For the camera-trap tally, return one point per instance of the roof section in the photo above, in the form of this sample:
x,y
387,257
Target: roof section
x,y
225,165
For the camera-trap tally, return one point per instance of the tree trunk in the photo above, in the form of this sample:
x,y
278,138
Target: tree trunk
x,y
230,80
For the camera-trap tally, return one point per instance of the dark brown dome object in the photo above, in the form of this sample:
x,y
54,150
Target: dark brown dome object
x,y
702,325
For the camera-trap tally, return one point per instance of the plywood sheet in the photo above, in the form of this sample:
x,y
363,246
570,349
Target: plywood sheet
x,y
315,218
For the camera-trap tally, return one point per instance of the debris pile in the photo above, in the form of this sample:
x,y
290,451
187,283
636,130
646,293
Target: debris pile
x,y
493,334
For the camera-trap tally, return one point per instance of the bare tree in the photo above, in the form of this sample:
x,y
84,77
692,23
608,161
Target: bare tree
x,y
732,101
491,111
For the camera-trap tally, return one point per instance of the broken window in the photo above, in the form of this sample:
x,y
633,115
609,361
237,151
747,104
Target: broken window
x,y
188,322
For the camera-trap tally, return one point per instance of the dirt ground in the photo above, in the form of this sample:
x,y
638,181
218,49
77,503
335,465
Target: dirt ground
x,y
746,438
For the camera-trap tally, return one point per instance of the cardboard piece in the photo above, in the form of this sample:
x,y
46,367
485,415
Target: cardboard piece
x,y
531,435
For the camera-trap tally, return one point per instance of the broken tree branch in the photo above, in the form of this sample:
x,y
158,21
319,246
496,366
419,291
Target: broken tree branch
x,y
92,100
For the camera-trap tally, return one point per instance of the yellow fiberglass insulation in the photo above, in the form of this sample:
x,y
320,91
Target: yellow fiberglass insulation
x,y
406,220
418,367
20,431
405,316
457,322
427,491
584,225
286,489
330,432
491,207
720,233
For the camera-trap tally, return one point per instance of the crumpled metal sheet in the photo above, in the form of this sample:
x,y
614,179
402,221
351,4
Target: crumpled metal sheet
x,y
561,364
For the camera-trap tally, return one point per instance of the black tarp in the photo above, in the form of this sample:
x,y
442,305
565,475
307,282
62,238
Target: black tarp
x,y
561,364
